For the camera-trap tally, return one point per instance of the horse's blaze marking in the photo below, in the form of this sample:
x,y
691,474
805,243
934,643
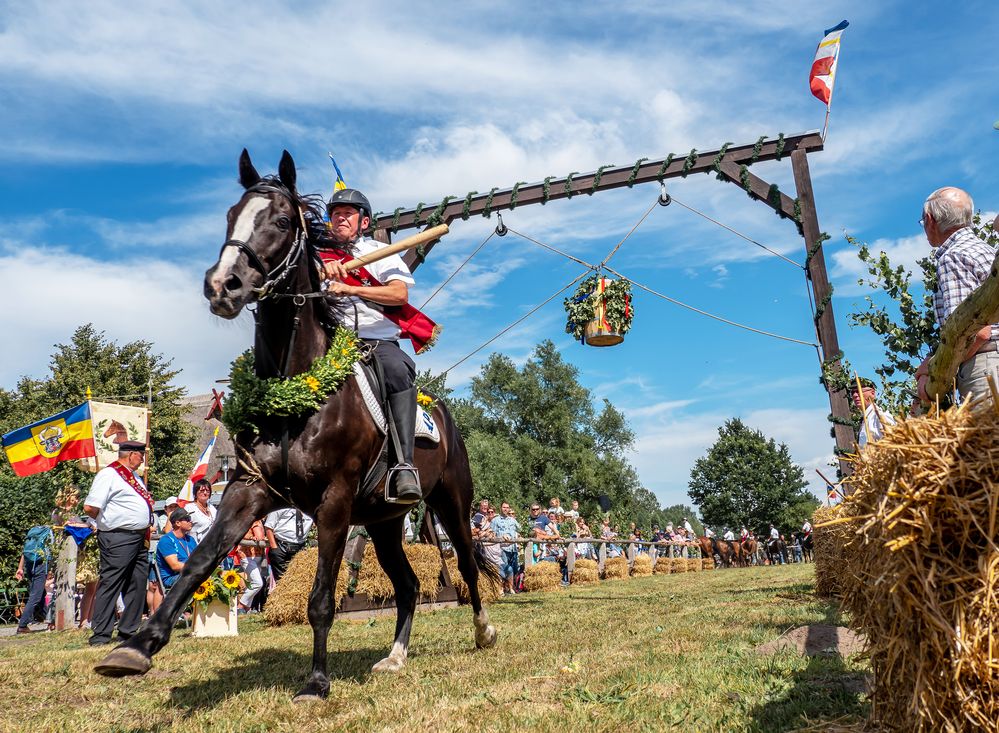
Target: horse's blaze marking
x,y
246,222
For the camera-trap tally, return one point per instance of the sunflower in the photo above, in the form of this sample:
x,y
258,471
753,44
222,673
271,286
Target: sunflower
x,y
203,591
230,579
424,400
312,383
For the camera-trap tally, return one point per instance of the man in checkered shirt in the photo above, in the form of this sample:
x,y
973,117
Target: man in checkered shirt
x,y
963,263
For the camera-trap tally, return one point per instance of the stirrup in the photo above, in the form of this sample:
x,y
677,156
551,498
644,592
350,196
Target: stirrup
x,y
393,498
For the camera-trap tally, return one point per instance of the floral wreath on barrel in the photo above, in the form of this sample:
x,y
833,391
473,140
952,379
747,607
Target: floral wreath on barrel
x,y
583,305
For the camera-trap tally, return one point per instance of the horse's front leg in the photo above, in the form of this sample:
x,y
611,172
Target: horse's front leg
x,y
241,505
332,521
387,538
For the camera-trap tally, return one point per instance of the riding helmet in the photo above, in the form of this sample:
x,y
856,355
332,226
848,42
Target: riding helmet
x,y
350,197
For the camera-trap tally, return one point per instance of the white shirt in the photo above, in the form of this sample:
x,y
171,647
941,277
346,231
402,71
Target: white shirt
x,y
730,535
686,526
874,424
282,523
201,522
744,534
371,320
774,534
708,532
121,506
806,527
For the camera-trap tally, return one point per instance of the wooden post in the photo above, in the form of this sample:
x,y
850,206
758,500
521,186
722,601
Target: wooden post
x,y
570,558
630,554
602,558
65,585
826,326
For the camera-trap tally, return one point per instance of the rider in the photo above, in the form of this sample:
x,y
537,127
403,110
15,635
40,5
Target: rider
x,y
744,534
373,307
729,535
774,534
708,532
806,528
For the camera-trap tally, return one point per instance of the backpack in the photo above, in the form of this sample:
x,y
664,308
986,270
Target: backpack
x,y
36,546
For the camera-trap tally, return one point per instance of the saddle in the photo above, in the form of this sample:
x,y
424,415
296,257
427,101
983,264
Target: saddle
x,y
367,377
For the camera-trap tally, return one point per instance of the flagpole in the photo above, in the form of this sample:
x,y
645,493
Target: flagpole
x,y
825,125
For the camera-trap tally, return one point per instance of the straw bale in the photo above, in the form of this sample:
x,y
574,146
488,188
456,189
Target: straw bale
x,y
678,565
489,590
615,567
642,565
922,569
707,563
694,565
585,571
830,541
543,576
662,566
423,558
288,603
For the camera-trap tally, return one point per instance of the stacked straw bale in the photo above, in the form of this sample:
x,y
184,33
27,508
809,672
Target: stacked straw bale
x,y
922,573
642,565
830,540
489,589
707,563
662,566
288,603
694,565
423,558
615,568
585,571
543,576
678,565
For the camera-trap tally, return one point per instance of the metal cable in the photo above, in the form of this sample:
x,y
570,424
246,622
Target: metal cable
x,y
553,249
618,245
738,234
518,321
451,276
710,315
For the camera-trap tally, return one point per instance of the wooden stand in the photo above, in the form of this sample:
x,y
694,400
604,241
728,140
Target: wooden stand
x,y
218,619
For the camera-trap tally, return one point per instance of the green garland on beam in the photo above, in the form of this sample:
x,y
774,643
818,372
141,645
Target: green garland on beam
x,y
744,179
514,193
546,190
634,171
568,184
815,247
664,166
757,149
487,209
780,146
395,220
417,211
438,216
252,398
718,160
688,163
596,178
466,210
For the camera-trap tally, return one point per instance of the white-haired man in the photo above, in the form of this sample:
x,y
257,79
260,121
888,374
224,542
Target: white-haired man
x,y
963,262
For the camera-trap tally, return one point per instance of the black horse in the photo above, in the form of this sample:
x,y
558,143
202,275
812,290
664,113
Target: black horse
x,y
808,548
315,462
777,551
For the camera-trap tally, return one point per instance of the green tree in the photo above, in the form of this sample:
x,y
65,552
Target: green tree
x,y
747,479
906,323
90,360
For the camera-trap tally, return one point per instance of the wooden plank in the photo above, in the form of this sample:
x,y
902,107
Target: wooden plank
x,y
826,327
65,585
759,189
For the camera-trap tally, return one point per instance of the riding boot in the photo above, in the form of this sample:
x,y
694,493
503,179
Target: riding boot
x,y
405,474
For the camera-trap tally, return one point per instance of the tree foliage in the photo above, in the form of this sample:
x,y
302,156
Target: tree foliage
x,y
906,324
120,373
533,433
747,479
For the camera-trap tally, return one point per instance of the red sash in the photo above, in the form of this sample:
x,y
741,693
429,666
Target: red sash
x,y
129,478
414,325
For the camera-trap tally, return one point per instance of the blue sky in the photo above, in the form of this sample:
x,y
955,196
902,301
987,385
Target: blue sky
x,y
123,122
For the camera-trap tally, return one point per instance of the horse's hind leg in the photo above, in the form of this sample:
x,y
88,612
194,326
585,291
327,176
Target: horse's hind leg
x,y
451,514
387,538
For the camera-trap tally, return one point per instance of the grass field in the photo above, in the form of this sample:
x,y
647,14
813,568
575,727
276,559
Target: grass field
x,y
656,653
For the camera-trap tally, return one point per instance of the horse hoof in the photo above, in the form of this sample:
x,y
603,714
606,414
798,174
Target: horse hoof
x,y
311,693
486,639
389,665
124,661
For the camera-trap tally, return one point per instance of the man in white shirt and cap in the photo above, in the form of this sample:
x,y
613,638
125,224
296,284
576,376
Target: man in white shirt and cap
x,y
123,508
872,428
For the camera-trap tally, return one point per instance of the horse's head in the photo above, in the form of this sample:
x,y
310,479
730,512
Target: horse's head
x,y
261,235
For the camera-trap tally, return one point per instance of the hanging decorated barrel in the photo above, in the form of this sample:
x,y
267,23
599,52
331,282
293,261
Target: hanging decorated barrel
x,y
600,312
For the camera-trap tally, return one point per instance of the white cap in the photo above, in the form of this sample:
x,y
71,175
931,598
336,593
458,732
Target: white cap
x,y
170,500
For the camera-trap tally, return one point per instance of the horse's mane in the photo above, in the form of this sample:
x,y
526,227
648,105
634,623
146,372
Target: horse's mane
x,y
332,309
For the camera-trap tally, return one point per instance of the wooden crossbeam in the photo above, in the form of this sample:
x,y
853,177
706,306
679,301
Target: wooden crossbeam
x,y
759,189
610,178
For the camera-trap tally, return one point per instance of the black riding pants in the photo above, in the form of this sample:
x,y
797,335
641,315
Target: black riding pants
x,y
399,369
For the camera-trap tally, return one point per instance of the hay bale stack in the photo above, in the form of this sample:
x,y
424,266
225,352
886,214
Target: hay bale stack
x,y
642,565
489,590
662,566
288,603
616,568
585,571
707,564
829,543
694,565
923,569
678,565
424,559
543,576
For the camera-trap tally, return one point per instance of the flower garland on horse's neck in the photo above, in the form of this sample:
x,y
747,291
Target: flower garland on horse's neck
x,y
252,398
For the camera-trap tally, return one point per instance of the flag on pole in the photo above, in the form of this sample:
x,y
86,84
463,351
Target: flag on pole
x,y
338,183
200,470
823,74
38,447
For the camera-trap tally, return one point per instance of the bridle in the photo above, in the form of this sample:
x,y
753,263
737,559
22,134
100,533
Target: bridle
x,y
280,272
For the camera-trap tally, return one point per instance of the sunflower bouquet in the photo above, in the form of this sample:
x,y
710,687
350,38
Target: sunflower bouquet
x,y
221,585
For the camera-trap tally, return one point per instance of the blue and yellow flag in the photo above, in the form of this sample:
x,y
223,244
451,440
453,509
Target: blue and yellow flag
x,y
40,446
338,183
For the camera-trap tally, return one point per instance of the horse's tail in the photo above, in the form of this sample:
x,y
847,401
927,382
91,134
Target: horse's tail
x,y
486,566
